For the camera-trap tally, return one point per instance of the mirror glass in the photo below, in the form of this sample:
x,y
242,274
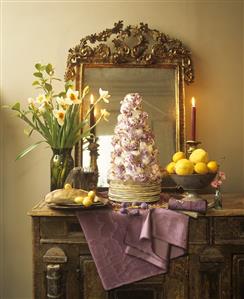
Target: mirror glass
x,y
159,89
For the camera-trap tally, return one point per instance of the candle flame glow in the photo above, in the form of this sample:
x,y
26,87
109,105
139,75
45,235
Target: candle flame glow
x,y
193,102
92,99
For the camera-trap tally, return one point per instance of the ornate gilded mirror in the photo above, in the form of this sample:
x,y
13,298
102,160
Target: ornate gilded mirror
x,y
133,59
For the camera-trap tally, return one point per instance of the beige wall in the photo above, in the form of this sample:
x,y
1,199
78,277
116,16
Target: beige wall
x,y
44,32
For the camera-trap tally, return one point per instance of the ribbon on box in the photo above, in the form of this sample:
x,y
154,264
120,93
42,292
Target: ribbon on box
x,y
129,248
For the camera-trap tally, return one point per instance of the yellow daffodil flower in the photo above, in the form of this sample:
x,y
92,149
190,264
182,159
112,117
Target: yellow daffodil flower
x,y
60,115
104,95
57,118
41,98
105,114
64,103
42,107
72,97
30,101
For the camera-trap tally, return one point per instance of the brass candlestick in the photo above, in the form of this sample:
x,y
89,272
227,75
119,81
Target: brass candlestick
x,y
191,146
93,148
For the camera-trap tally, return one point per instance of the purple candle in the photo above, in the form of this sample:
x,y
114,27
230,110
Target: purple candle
x,y
193,119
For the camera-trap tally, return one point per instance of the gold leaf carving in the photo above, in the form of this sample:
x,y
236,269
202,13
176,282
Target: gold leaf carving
x,y
137,45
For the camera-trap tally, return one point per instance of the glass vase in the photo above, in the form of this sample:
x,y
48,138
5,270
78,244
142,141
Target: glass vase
x,y
60,165
218,200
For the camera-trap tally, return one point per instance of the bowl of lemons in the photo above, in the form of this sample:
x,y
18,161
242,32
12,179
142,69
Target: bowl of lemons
x,y
193,173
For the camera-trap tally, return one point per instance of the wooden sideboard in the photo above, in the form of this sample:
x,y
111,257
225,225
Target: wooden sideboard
x,y
214,268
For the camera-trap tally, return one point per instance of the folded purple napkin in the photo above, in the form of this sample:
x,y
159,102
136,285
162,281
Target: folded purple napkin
x,y
129,248
158,238
196,206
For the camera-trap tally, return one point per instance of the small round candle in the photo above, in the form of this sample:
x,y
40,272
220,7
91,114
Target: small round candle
x,y
193,119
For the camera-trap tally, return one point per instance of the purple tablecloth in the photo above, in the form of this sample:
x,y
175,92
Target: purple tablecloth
x,y
129,248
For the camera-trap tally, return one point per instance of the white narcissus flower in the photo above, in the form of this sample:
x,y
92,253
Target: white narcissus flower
x,y
72,97
41,98
105,114
64,103
60,115
104,95
30,101
42,107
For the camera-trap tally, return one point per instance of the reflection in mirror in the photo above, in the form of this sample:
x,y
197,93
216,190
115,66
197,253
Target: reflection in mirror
x,y
158,87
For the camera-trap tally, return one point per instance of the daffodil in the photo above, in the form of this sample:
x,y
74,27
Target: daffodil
x,y
30,101
56,116
43,107
60,115
64,103
41,98
104,95
105,114
72,97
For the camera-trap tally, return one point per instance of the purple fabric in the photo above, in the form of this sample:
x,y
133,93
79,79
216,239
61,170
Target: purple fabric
x,y
128,248
196,206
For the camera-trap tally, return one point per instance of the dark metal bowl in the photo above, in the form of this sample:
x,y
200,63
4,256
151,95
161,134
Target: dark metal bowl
x,y
193,181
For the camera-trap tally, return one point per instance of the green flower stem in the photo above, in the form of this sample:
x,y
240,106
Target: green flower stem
x,y
93,106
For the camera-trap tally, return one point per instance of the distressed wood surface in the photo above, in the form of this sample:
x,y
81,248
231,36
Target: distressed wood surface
x,y
213,268
233,205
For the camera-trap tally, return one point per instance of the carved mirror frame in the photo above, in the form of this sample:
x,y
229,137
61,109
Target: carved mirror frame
x,y
132,46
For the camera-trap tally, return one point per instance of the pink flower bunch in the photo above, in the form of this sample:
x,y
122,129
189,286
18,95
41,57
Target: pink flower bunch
x,y
218,180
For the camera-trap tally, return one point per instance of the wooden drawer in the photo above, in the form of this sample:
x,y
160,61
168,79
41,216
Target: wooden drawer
x,y
199,231
228,230
60,230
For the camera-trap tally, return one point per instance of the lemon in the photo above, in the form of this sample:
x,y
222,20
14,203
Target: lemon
x,y
178,156
87,201
201,168
79,200
184,167
67,187
199,155
91,195
96,199
171,167
212,166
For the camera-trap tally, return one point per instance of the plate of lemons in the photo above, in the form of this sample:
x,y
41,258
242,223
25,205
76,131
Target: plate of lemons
x,y
71,198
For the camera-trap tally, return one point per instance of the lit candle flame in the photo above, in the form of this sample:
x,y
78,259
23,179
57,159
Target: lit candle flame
x,y
193,102
92,99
